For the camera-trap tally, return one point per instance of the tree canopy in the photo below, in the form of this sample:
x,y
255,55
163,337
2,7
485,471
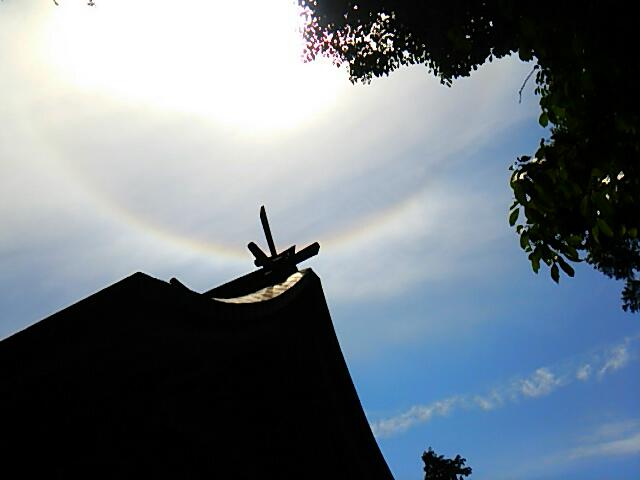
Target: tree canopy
x,y
436,467
577,198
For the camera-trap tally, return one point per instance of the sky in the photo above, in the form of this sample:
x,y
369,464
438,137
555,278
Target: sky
x,y
144,136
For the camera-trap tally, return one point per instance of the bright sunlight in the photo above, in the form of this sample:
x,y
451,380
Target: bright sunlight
x,y
237,63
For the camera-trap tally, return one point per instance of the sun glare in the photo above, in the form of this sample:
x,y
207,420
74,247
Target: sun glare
x,y
238,63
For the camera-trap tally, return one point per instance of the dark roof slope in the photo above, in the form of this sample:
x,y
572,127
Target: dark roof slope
x,y
148,380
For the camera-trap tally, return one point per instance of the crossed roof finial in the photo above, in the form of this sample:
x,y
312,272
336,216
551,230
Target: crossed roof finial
x,y
285,260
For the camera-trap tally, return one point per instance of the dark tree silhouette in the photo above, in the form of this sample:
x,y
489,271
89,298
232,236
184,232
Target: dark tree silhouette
x,y
577,198
436,467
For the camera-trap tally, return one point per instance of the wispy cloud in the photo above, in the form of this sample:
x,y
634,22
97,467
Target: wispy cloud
x,y
584,372
490,401
543,381
611,430
416,414
611,438
618,358
623,446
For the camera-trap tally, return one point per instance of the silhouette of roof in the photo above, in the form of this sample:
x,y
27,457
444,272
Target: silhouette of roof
x,y
145,379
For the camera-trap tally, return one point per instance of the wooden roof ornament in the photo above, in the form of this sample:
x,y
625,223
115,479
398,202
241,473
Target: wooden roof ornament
x,y
286,260
274,268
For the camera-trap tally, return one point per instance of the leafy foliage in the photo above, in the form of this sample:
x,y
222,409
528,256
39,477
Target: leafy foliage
x,y
437,467
578,197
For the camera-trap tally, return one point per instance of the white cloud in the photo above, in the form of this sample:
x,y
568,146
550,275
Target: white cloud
x,y
584,372
543,381
610,439
617,358
624,446
489,402
611,430
415,415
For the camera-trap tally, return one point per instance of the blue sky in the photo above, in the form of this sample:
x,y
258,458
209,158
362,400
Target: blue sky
x,y
144,136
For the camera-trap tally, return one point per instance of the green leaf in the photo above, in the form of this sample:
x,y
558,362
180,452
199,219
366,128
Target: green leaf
x,y
544,119
535,264
514,217
524,55
604,228
518,192
535,260
633,232
575,241
584,206
555,273
570,252
568,269
524,240
595,233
